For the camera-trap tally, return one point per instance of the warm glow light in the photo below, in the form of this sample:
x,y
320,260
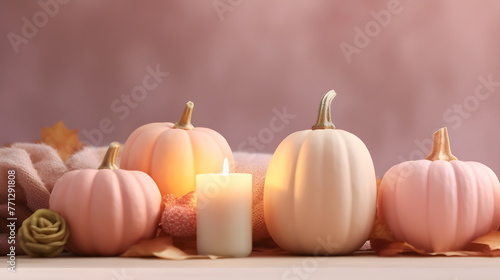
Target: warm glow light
x,y
224,213
225,167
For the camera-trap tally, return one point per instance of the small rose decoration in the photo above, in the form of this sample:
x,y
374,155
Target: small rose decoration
x,y
43,234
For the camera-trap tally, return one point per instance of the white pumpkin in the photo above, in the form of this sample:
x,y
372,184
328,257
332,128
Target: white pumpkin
x,y
320,190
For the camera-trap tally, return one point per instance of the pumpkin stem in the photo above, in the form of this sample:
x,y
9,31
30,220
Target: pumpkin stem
x,y
185,121
441,146
109,160
324,115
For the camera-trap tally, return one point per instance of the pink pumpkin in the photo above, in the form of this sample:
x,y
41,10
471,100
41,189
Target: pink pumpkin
x,y
439,203
107,210
172,154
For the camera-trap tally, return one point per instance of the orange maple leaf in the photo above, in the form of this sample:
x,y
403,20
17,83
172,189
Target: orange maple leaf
x,y
64,140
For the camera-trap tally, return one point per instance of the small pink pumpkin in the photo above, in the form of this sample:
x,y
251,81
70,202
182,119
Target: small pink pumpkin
x,y
439,203
107,210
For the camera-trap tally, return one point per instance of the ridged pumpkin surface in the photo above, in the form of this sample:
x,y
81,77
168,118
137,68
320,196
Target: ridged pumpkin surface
x,y
173,157
106,210
320,193
173,154
439,203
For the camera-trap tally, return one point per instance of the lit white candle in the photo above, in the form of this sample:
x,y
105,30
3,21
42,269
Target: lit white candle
x,y
224,213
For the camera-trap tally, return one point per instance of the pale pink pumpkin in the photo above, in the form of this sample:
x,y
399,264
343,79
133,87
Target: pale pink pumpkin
x,y
439,203
173,154
107,209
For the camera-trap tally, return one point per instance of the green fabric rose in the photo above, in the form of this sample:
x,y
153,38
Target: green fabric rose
x,y
43,234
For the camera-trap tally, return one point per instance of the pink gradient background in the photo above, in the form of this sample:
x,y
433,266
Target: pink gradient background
x,y
264,55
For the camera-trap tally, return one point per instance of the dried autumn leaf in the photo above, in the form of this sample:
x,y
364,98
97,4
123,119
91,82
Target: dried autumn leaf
x,y
64,140
380,235
492,239
488,244
161,247
484,246
385,248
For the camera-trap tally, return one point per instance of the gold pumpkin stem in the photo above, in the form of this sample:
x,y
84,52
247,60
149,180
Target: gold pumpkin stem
x,y
109,160
324,115
185,121
441,146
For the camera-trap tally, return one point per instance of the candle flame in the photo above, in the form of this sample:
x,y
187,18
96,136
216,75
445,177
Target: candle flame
x,y
225,167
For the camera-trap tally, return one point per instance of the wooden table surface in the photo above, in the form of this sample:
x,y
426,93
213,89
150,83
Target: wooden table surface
x,y
357,266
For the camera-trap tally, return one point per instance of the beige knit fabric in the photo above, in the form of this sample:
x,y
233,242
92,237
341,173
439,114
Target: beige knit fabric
x,y
255,164
37,167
